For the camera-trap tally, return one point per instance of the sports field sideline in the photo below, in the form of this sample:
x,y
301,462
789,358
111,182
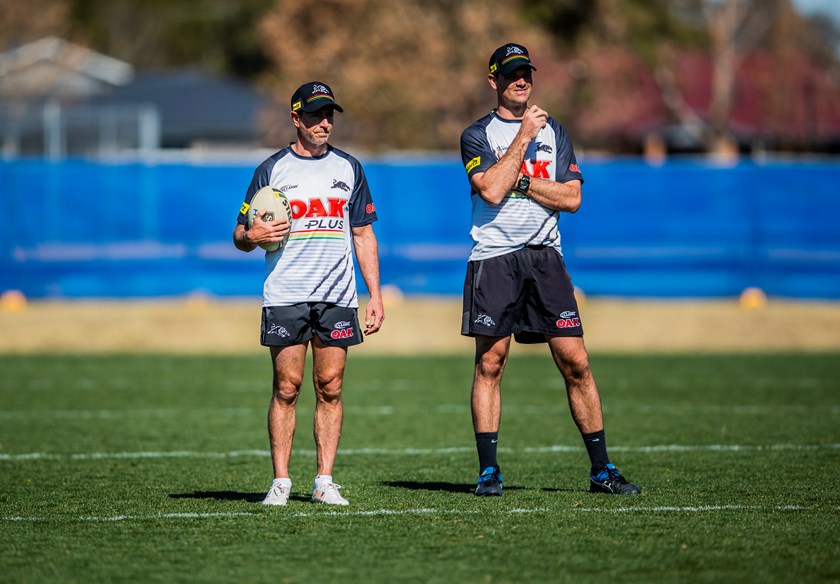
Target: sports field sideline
x,y
201,325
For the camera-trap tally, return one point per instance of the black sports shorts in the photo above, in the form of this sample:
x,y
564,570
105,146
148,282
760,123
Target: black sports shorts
x,y
526,293
336,326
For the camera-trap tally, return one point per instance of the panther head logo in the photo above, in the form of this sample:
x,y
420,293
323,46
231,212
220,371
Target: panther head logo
x,y
337,184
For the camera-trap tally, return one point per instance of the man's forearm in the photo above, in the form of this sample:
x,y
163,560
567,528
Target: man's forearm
x,y
241,240
553,195
367,254
496,182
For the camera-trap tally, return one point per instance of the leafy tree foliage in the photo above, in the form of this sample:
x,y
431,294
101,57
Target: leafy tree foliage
x,y
217,35
22,22
412,73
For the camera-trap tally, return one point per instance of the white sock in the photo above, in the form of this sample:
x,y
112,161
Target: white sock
x,y
322,480
284,482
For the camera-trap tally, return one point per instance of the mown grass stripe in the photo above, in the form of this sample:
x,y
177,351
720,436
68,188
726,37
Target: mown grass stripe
x,y
459,409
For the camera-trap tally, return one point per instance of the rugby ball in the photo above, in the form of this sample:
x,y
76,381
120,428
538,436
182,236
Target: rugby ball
x,y
276,207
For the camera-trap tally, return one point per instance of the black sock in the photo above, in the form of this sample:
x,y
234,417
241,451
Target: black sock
x,y
596,447
485,442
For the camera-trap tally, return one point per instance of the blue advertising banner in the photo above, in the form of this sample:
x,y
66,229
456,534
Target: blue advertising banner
x,y
685,229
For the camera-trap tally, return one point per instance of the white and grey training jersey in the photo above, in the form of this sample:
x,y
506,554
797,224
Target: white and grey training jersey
x,y
518,220
329,195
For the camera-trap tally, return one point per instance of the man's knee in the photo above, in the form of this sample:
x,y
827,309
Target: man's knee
x,y
490,365
286,388
573,363
491,356
328,387
578,370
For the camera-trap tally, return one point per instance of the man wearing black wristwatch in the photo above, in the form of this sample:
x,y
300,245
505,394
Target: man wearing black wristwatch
x,y
523,184
523,173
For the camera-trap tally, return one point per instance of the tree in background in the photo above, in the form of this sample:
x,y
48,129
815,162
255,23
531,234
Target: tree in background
x,y
22,22
736,28
411,74
640,65
215,35
610,48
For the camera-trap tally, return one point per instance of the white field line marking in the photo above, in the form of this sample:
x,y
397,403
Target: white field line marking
x,y
418,451
402,512
139,517
693,448
694,509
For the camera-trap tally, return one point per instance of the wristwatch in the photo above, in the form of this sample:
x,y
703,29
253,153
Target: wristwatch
x,y
524,184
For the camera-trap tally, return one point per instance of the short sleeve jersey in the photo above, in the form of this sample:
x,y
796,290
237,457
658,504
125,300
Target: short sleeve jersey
x,y
518,220
328,195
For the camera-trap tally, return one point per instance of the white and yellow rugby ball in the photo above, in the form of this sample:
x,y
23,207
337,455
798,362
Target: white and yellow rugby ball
x,y
276,207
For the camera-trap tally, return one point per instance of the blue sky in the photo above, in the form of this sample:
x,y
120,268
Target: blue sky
x,y
830,7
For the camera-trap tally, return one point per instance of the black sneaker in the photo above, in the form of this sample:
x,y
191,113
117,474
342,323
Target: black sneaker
x,y
489,482
609,480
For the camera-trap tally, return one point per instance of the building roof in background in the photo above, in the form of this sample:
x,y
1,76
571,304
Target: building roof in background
x,y
783,97
191,107
195,106
52,67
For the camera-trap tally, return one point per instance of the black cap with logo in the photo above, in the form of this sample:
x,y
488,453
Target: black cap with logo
x,y
312,96
508,58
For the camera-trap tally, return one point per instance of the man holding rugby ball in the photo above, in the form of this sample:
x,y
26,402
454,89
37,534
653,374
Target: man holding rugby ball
x,y
309,292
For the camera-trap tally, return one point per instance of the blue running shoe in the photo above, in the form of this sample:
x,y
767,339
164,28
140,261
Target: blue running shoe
x,y
609,480
489,482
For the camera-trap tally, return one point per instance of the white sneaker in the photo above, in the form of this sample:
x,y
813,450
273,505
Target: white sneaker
x,y
277,495
328,493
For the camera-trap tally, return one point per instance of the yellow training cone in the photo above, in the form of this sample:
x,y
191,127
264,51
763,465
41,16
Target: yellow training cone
x,y
12,301
753,299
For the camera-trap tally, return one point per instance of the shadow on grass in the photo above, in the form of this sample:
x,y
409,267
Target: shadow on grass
x,y
229,496
437,486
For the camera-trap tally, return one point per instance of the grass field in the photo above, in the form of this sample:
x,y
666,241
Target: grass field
x,y
150,468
